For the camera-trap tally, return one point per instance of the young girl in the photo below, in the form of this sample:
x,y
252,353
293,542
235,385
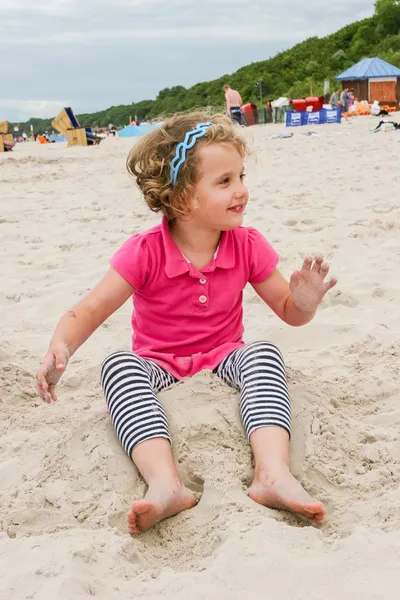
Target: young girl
x,y
186,277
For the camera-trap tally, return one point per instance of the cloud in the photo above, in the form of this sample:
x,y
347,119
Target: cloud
x,y
96,53
25,109
238,34
40,7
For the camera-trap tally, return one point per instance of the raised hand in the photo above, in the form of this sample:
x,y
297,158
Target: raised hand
x,y
308,286
53,366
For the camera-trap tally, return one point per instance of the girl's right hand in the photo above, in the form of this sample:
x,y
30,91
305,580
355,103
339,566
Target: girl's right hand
x,y
52,367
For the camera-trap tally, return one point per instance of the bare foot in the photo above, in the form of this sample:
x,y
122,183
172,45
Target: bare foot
x,y
158,505
285,492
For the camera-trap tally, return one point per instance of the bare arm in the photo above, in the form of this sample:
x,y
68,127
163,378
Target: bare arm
x,y
275,292
77,325
296,302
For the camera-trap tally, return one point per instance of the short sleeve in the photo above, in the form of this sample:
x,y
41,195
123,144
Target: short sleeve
x,y
263,258
132,260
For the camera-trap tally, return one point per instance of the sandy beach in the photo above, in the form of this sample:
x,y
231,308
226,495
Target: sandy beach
x,y
65,482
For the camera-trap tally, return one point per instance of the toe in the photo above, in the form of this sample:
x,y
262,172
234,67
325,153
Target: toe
x,y
318,514
131,518
319,517
140,507
316,517
133,530
314,508
132,527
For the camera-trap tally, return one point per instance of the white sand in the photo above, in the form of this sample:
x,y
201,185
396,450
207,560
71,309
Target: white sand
x,y
65,483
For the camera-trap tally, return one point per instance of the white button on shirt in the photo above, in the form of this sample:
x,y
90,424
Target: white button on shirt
x,y
203,280
203,299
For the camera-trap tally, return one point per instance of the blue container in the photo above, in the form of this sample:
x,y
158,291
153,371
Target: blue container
x,y
320,117
294,119
332,115
313,118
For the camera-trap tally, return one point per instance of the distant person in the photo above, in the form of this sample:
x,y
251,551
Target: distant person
x,y
344,103
269,111
375,108
186,276
387,121
378,111
335,99
233,104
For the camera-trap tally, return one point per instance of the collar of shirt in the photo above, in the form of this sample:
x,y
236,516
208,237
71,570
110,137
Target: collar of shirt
x,y
176,264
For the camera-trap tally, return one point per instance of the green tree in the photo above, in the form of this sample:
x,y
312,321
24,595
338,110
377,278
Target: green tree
x,y
388,17
313,70
362,41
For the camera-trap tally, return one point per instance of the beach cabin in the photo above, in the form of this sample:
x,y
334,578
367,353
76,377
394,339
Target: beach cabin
x,y
373,79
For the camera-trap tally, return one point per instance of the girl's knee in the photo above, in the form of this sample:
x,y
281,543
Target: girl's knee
x,y
264,350
118,358
125,355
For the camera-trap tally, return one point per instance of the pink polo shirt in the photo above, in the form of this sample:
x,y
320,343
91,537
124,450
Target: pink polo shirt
x,y
183,319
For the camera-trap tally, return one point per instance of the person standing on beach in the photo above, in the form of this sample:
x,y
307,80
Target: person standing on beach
x,y
233,103
344,103
335,99
186,277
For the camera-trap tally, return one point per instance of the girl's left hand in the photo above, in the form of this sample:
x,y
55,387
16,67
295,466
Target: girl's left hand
x,y
308,286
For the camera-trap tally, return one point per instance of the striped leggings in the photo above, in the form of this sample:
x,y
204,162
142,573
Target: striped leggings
x,y
131,384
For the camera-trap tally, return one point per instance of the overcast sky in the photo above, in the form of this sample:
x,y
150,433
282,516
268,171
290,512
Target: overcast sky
x,y
91,54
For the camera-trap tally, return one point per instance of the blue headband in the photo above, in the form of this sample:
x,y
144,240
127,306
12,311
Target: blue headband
x,y
181,149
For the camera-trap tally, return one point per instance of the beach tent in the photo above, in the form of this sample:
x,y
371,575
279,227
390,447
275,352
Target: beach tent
x,y
58,138
280,102
373,79
137,130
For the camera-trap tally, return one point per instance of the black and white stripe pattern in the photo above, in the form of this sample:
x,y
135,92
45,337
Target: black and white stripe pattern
x,y
131,383
258,371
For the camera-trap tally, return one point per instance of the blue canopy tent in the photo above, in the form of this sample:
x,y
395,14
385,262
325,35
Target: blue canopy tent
x,y
136,130
373,79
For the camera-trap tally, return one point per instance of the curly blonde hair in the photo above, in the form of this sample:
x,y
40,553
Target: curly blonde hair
x,y
150,159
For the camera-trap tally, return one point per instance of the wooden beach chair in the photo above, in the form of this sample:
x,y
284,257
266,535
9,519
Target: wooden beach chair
x,y
67,124
6,139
